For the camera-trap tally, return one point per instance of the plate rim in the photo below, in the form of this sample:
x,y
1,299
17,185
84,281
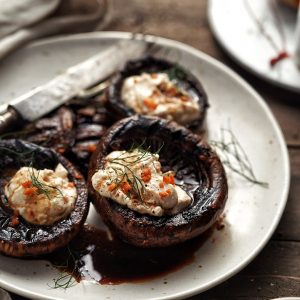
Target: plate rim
x,y
240,62
263,105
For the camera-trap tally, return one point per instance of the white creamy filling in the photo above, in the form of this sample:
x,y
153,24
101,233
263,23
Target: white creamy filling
x,y
41,197
155,94
135,179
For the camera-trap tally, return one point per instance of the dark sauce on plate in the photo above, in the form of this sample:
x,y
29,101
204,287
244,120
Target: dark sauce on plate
x,y
96,256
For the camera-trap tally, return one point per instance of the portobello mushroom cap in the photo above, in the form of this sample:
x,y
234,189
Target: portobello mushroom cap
x,y
198,171
25,239
185,80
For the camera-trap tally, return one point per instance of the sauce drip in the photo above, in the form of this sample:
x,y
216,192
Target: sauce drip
x,y
96,256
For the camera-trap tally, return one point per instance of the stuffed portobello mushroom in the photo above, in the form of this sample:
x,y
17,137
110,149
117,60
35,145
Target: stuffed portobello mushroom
x,y
157,87
43,199
155,183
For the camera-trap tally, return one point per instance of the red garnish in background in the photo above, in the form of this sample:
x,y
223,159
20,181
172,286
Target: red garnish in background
x,y
282,55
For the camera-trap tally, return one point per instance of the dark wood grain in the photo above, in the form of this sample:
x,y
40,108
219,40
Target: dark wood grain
x,y
289,227
274,273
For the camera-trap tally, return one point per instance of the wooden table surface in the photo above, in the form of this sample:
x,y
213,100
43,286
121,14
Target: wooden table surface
x,y
276,270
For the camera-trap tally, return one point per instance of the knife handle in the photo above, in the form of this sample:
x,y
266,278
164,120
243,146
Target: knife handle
x,y
9,120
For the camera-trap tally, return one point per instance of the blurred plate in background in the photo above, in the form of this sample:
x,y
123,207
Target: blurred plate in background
x,y
250,30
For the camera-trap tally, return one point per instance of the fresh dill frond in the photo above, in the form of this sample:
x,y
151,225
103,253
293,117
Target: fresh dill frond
x,y
126,164
159,148
64,281
67,277
233,156
42,188
175,73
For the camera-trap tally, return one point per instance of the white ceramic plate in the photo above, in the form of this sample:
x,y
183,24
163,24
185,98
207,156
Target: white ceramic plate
x,y
252,212
235,28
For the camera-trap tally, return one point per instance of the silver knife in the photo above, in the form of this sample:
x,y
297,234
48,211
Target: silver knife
x,y
43,99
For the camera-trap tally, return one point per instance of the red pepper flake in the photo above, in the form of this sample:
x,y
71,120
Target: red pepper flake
x,y
168,191
14,221
163,194
155,93
27,184
78,176
146,175
125,187
111,187
169,179
282,55
30,191
61,150
161,184
171,92
91,148
150,103
184,98
99,184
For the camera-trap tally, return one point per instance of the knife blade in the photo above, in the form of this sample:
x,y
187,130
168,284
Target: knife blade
x,y
43,99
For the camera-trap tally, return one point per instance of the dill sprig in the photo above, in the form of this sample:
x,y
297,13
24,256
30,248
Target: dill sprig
x,y
42,188
64,281
125,170
175,73
234,156
66,278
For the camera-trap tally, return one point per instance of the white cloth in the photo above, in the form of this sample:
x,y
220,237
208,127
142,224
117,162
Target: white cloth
x,y
4,295
24,20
